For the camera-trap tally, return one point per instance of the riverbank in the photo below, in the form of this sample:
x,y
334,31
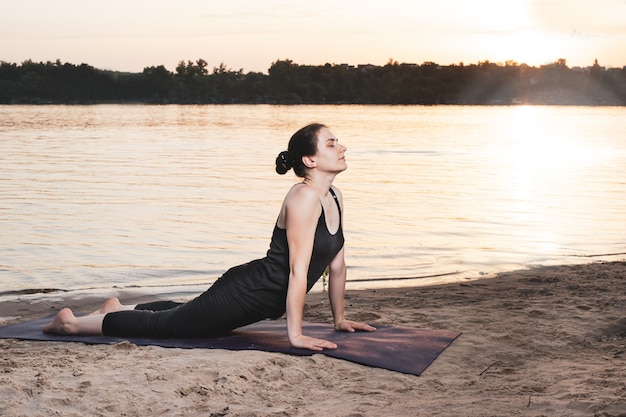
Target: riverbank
x,y
545,341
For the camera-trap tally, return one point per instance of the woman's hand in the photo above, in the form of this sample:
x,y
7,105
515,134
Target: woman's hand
x,y
311,343
352,326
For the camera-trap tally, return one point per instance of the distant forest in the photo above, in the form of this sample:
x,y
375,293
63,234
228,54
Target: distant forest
x,y
485,83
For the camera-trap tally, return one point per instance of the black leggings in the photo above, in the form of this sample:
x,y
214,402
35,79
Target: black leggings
x,y
213,313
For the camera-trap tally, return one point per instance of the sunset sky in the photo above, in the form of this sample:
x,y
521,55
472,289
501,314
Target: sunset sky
x,y
130,35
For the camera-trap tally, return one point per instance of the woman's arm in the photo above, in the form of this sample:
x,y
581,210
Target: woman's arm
x,y
301,210
337,287
336,292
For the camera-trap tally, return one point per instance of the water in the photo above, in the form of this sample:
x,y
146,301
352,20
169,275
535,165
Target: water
x,y
166,198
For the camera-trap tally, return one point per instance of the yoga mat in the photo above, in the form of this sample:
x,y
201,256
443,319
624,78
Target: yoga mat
x,y
400,349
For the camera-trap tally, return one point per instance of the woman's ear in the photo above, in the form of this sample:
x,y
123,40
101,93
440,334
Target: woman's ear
x,y
309,162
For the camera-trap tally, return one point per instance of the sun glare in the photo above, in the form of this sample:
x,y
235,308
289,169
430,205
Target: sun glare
x,y
526,46
511,31
541,160
542,149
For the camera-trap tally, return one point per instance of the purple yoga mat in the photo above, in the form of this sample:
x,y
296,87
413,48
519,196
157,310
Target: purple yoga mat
x,y
400,349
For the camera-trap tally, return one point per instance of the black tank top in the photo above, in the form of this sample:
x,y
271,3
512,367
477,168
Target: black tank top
x,y
261,285
325,248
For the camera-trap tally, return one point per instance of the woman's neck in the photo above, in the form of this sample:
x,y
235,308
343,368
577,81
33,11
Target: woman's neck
x,y
322,185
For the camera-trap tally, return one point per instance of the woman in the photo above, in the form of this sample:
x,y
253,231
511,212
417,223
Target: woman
x,y
307,238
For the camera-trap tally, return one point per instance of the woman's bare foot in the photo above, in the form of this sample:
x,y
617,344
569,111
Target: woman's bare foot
x,y
109,306
63,323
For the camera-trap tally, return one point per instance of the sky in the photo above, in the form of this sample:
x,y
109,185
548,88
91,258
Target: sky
x,y
129,35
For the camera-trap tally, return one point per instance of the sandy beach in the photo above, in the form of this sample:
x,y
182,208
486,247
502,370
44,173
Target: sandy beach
x,y
549,341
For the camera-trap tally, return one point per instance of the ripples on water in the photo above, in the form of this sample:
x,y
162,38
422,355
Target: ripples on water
x,y
95,197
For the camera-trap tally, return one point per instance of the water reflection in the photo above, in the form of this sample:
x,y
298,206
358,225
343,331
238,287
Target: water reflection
x,y
160,195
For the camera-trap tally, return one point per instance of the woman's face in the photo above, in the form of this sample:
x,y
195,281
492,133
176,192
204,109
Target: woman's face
x,y
330,155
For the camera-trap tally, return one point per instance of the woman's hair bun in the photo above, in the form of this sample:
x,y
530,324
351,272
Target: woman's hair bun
x,y
283,163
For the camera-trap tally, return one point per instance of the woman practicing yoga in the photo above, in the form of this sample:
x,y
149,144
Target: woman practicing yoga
x,y
307,238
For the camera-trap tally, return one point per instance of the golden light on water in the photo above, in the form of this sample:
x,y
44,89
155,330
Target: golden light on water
x,y
541,147
547,163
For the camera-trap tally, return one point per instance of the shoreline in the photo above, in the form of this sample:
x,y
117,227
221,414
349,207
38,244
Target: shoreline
x,y
186,291
542,341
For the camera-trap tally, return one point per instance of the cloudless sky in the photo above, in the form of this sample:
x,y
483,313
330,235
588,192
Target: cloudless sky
x,y
130,35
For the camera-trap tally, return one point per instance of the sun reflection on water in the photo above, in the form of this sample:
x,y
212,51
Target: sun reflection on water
x,y
545,166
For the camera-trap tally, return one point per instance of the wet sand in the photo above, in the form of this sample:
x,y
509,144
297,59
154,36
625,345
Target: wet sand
x,y
543,342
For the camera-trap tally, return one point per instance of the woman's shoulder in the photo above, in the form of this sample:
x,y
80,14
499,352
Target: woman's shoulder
x,y
302,194
301,202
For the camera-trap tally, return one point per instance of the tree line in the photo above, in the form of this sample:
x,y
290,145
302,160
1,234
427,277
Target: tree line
x,y
193,82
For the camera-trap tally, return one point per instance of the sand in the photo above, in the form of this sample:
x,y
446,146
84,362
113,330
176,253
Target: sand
x,y
543,342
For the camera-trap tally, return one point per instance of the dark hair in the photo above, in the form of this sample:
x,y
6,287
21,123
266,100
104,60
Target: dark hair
x,y
302,143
